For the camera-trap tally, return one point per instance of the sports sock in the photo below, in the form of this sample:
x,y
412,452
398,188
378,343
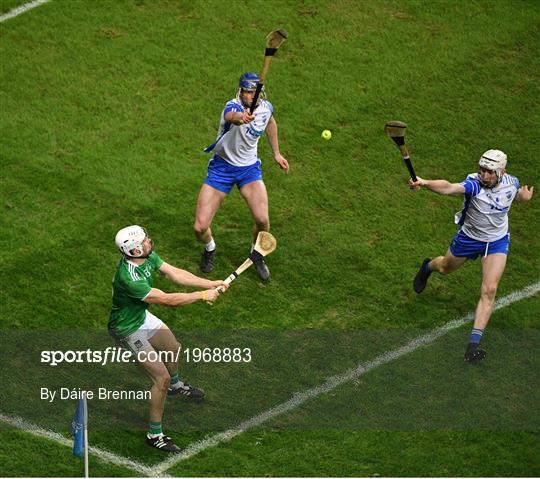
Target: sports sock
x,y
155,430
175,381
210,246
427,270
476,335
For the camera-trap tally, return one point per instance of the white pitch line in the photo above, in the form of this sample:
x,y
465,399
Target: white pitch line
x,y
102,454
23,8
333,382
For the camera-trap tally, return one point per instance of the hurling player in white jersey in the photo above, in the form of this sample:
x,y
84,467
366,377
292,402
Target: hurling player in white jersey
x,y
235,162
488,195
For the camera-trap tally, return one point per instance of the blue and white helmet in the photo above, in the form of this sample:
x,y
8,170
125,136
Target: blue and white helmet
x,y
248,81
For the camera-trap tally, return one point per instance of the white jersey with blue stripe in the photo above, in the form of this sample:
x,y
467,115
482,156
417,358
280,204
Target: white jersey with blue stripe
x,y
484,216
237,144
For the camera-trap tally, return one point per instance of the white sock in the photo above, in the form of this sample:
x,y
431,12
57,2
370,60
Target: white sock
x,y
153,436
210,246
177,385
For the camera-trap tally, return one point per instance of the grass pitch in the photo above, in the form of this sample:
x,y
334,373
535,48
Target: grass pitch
x,y
105,109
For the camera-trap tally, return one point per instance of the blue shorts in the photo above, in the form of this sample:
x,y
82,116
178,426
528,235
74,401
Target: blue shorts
x,y
223,176
464,246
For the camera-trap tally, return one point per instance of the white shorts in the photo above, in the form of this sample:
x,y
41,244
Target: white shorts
x,y
139,340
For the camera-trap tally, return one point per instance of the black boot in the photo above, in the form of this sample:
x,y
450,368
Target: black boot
x,y
421,278
474,353
207,261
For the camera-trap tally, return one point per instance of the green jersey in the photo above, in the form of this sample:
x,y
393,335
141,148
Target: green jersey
x,y
131,284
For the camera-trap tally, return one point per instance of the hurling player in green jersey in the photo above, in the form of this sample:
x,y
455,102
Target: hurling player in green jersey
x,y
138,330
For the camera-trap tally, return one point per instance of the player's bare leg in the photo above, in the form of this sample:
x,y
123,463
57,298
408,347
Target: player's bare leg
x,y
164,340
492,271
256,197
158,393
446,264
160,382
442,264
207,205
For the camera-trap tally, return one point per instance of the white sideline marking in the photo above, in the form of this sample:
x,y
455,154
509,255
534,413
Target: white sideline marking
x,y
335,381
297,400
22,9
105,456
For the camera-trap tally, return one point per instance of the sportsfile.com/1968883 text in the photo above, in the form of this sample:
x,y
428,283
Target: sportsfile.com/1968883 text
x,y
217,355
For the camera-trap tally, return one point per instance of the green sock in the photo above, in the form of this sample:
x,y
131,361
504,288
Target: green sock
x,y
175,381
155,429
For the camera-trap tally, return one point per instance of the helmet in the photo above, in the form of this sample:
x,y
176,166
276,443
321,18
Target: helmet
x,y
248,81
494,160
130,238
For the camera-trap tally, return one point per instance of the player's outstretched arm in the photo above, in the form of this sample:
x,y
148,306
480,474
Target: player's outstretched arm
x,y
156,296
185,278
525,194
442,187
272,134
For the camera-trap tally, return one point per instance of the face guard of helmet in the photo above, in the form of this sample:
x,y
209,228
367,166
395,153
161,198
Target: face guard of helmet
x,y
248,82
494,160
130,240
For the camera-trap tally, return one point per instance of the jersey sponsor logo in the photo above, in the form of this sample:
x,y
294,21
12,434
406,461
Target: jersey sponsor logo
x,y
495,204
253,132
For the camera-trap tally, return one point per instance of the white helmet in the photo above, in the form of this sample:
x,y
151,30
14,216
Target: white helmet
x,y
494,160
130,238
